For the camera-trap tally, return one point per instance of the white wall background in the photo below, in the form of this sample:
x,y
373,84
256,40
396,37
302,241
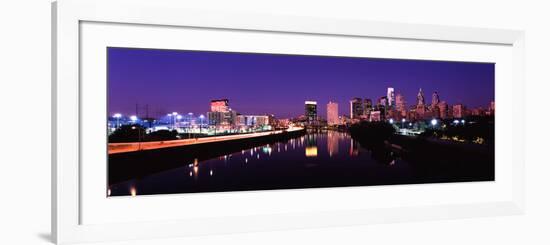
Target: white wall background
x,y
25,95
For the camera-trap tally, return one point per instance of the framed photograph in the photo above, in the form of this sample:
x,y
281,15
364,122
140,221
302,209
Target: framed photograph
x,y
172,122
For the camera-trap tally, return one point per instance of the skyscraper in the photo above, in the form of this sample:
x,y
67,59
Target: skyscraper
x,y
443,109
420,98
458,111
391,97
420,105
356,108
382,102
221,105
435,99
367,106
332,113
220,114
311,112
400,104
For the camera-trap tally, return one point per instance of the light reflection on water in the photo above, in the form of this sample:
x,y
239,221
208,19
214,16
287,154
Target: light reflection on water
x,y
321,159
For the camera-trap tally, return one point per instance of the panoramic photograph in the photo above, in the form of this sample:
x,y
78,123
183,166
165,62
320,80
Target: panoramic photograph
x,y
186,121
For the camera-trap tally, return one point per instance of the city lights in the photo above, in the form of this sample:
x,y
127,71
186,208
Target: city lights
x,y
271,125
433,122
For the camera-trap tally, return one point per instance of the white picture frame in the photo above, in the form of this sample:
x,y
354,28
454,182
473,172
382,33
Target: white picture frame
x,y
67,16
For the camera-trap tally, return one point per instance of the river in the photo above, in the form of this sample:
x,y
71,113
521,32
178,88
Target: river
x,y
316,159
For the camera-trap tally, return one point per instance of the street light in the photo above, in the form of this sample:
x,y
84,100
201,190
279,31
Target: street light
x,y
434,122
391,120
403,122
133,118
201,117
463,121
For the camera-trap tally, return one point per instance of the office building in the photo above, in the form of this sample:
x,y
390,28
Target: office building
x,y
391,97
459,111
311,112
332,113
356,108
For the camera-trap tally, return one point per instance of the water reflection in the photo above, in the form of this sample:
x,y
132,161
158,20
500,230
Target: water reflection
x,y
316,159
133,191
311,151
353,149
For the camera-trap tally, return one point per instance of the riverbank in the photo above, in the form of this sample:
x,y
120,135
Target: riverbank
x,y
133,164
433,160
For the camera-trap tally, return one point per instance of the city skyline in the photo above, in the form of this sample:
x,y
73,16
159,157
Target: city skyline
x,y
185,81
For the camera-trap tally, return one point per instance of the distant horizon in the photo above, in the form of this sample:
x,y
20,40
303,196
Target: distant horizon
x,y
258,84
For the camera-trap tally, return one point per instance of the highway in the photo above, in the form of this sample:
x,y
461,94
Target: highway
x,y
114,148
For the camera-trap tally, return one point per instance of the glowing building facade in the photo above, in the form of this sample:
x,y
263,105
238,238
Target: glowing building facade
x,y
332,113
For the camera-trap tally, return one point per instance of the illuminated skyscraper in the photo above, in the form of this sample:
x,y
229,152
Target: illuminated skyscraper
x,y
391,97
420,98
367,106
435,99
443,110
459,111
420,109
311,112
221,105
332,113
382,102
356,108
220,114
400,104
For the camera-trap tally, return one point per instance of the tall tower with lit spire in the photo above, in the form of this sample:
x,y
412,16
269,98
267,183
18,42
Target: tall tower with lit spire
x,y
420,98
435,99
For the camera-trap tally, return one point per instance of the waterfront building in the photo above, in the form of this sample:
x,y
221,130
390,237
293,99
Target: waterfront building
x,y
216,118
221,105
220,113
253,120
356,108
332,114
459,111
311,112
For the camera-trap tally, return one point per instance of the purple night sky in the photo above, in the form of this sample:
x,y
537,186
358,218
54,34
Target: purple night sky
x,y
186,81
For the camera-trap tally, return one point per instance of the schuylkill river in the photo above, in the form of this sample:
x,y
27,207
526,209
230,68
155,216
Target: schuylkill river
x,y
316,159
